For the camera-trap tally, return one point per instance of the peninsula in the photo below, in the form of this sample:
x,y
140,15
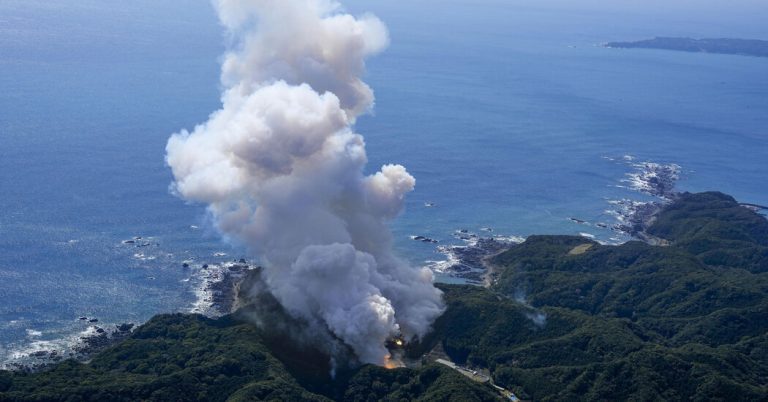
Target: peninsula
x,y
743,47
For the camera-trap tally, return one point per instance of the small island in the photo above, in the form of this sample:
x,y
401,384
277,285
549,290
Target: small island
x,y
743,47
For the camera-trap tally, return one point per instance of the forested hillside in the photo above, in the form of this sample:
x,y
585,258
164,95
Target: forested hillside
x,y
686,321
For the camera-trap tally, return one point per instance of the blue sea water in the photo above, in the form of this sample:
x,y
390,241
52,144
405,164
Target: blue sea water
x,y
504,112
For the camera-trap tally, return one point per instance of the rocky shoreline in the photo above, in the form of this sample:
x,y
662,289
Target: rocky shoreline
x,y
217,293
652,179
92,340
216,296
469,262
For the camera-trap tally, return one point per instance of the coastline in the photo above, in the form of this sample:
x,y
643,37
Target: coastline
x,y
216,285
215,293
471,263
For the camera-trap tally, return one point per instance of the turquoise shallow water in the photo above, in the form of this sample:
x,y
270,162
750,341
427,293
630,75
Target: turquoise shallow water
x,y
504,114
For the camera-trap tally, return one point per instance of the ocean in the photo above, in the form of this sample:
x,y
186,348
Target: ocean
x,y
510,116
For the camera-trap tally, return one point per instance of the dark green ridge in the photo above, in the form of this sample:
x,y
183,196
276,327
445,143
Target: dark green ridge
x,y
632,322
189,357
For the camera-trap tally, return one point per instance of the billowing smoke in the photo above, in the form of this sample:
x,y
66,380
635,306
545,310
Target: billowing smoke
x,y
281,170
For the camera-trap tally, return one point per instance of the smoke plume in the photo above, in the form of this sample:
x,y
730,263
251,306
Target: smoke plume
x,y
281,171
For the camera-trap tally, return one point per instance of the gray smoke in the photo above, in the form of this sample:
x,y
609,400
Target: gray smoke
x,y
281,171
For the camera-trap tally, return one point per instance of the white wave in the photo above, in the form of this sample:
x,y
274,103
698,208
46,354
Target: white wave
x,y
42,351
470,240
510,239
653,178
441,266
204,288
33,333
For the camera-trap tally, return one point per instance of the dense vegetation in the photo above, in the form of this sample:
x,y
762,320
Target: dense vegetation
x,y
171,357
566,319
189,357
747,47
684,322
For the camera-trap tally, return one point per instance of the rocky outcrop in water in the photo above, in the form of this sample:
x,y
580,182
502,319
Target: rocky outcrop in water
x,y
92,341
467,262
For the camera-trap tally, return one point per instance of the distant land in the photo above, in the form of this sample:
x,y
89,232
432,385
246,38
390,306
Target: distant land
x,y
744,47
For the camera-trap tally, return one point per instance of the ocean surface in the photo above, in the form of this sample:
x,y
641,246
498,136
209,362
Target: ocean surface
x,y
507,113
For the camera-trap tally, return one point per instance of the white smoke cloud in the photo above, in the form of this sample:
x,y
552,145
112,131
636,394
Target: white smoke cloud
x,y
281,170
301,41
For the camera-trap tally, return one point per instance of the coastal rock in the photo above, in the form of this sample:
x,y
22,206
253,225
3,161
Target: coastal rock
x,y
468,262
93,340
100,339
424,239
650,178
216,294
125,327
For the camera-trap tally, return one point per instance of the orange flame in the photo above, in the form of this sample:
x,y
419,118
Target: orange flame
x,y
392,363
